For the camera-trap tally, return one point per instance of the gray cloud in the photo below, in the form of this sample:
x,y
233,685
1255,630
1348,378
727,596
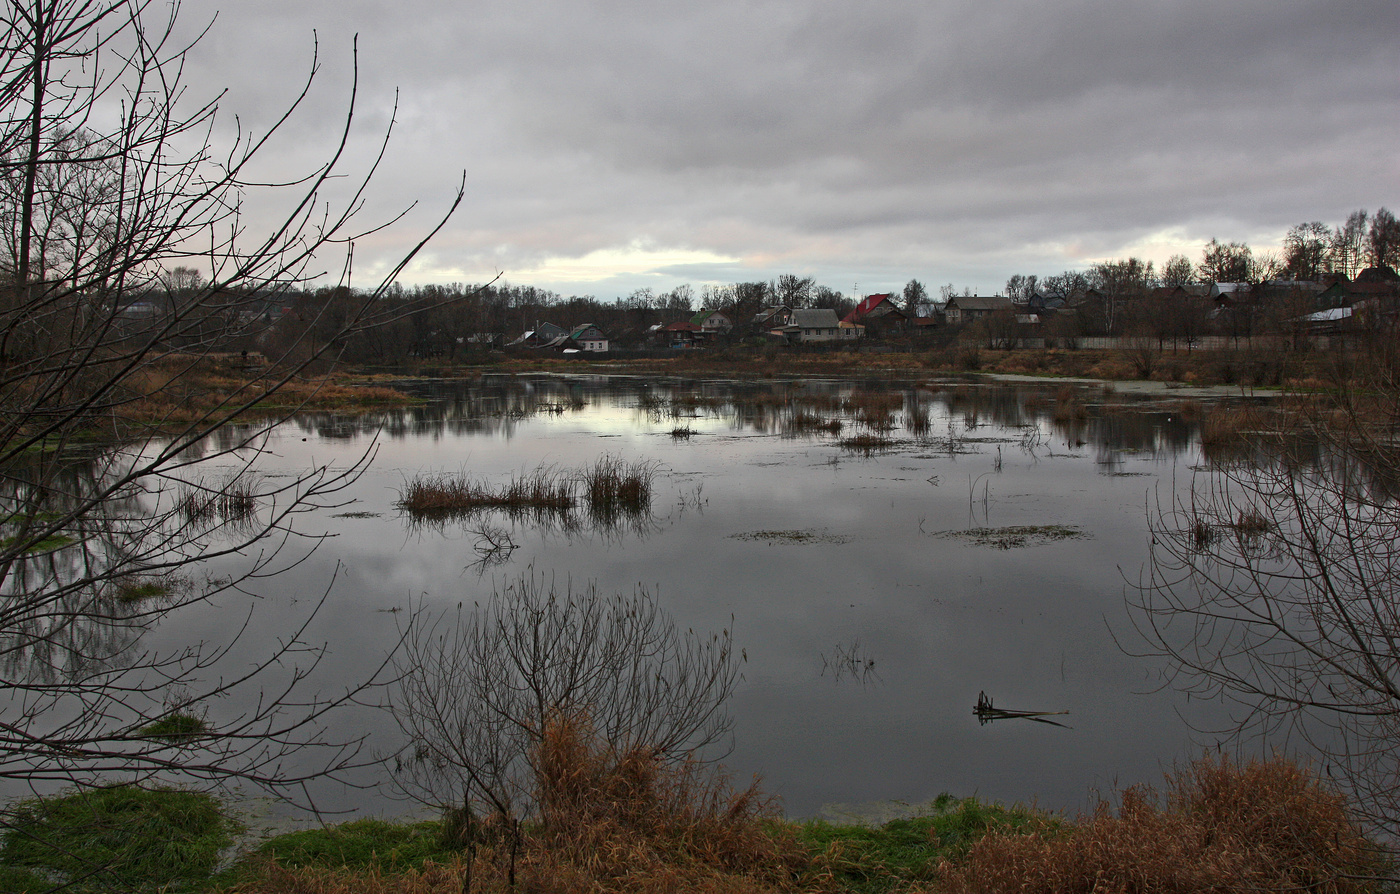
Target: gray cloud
x,y
871,142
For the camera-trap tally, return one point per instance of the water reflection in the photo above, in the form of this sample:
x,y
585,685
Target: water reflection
x,y
822,560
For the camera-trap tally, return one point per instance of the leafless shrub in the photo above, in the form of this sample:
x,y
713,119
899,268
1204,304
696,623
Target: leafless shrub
x,y
479,689
1293,618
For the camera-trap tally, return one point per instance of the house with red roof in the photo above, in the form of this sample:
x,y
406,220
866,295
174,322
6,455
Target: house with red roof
x,y
877,312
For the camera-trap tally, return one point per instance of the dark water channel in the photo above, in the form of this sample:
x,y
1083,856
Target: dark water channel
x,y
870,617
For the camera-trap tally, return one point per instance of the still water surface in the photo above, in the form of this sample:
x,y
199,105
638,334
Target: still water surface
x,y
869,621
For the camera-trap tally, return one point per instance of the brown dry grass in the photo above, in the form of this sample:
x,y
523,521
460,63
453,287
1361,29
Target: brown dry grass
x,y
181,390
443,495
609,822
1222,827
1230,430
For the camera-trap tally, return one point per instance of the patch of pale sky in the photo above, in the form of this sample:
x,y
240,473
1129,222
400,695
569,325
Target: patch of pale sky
x,y
635,259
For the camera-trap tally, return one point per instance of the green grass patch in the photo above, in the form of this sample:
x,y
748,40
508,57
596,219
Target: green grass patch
x,y
46,545
1016,536
876,859
115,838
23,881
175,728
361,844
140,591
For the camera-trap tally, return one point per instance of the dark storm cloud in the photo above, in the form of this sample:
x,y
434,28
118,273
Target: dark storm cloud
x,y
938,140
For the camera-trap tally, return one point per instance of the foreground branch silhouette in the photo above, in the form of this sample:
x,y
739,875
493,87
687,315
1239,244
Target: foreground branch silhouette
x,y
1276,584
129,274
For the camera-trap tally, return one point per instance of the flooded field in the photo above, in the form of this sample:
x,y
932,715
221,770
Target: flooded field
x,y
886,556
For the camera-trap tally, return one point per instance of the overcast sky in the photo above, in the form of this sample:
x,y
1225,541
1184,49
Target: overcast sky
x,y
610,146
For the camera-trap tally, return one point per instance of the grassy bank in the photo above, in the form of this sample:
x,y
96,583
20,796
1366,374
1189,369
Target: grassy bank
x,y
1259,368
617,824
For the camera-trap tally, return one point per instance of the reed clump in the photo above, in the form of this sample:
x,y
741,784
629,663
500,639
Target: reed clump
x,y
442,495
632,821
803,421
1222,827
232,503
866,443
875,409
616,487
1232,431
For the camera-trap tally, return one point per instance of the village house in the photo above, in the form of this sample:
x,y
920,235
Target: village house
x,y
712,321
771,318
544,335
877,312
589,337
966,308
821,325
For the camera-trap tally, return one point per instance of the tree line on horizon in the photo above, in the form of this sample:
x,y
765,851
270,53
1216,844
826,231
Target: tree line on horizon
x,y
445,320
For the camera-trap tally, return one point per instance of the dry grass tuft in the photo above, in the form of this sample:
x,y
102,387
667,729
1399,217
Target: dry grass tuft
x,y
1223,827
609,821
442,496
615,487
631,821
232,503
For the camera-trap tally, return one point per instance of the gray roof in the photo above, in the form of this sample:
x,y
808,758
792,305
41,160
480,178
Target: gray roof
x,y
980,302
815,318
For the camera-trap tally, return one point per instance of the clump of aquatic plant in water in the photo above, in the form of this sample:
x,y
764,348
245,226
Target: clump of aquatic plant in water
x,y
614,485
177,727
234,502
866,444
439,496
1015,536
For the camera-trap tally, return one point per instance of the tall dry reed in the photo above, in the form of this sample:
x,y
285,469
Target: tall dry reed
x,y
1222,827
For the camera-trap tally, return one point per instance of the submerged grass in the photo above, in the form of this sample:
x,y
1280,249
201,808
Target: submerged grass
x,y
121,838
1016,536
175,728
866,444
137,591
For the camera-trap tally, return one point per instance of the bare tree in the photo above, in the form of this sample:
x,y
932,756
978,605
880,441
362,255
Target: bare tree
x,y
915,296
792,290
1020,288
126,266
1178,271
1306,248
477,689
1383,240
1226,262
1274,586
1348,245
